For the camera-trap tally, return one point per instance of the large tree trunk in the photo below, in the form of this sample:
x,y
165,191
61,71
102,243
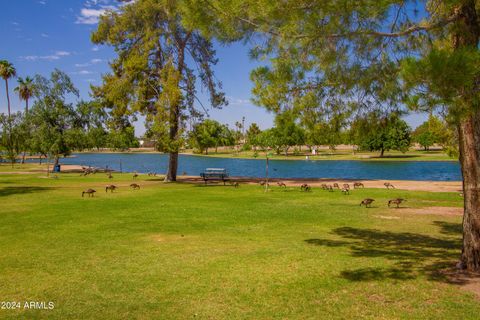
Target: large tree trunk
x,y
173,156
467,36
172,167
175,114
48,166
382,153
469,138
8,97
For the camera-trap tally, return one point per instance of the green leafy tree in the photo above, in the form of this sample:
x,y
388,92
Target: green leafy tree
x,y
252,134
13,135
375,132
433,131
25,90
93,119
52,117
227,137
122,139
160,62
207,134
288,132
7,71
268,139
325,134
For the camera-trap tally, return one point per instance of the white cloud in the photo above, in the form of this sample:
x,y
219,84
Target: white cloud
x,y
83,72
42,2
44,35
233,101
82,65
95,49
52,57
35,58
91,15
62,53
87,64
91,3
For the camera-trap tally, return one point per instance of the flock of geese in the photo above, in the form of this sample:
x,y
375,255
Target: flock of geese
x,y
345,188
111,187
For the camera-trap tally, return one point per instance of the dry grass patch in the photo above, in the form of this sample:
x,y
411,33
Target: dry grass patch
x,y
441,211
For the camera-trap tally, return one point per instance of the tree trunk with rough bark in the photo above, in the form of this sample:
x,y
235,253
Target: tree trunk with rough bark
x,y
469,136
48,166
467,36
173,156
8,97
172,167
175,116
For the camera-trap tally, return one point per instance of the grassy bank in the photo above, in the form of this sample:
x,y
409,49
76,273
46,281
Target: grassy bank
x,y
182,251
412,155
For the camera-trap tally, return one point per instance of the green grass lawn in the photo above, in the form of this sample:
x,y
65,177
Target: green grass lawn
x,y
411,155
182,251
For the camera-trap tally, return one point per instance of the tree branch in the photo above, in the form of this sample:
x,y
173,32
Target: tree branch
x,y
356,33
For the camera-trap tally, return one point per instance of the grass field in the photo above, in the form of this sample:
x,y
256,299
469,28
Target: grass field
x,y
184,251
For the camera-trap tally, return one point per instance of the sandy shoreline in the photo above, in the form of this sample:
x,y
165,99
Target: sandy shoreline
x,y
411,185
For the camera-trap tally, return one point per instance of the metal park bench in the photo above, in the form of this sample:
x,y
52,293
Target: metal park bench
x,y
214,174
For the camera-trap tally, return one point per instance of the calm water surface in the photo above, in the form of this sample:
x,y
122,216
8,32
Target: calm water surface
x,y
193,165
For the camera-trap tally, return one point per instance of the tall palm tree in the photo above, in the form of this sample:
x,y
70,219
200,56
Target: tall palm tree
x,y
24,90
7,71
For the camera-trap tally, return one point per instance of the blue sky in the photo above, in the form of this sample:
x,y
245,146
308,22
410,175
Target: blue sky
x,y
40,35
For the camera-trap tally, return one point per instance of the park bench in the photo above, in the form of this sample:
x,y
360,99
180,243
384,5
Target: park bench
x,y
214,174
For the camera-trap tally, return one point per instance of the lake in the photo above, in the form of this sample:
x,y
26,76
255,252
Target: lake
x,y
345,169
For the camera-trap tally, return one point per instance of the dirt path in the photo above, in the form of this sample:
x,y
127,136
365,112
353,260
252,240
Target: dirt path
x,y
66,168
431,186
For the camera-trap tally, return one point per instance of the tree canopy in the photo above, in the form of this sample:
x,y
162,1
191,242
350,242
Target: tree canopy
x,y
376,132
158,66
433,131
52,117
211,134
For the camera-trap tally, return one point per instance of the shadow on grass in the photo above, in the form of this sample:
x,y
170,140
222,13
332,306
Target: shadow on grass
x,y
412,255
213,184
449,228
9,191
